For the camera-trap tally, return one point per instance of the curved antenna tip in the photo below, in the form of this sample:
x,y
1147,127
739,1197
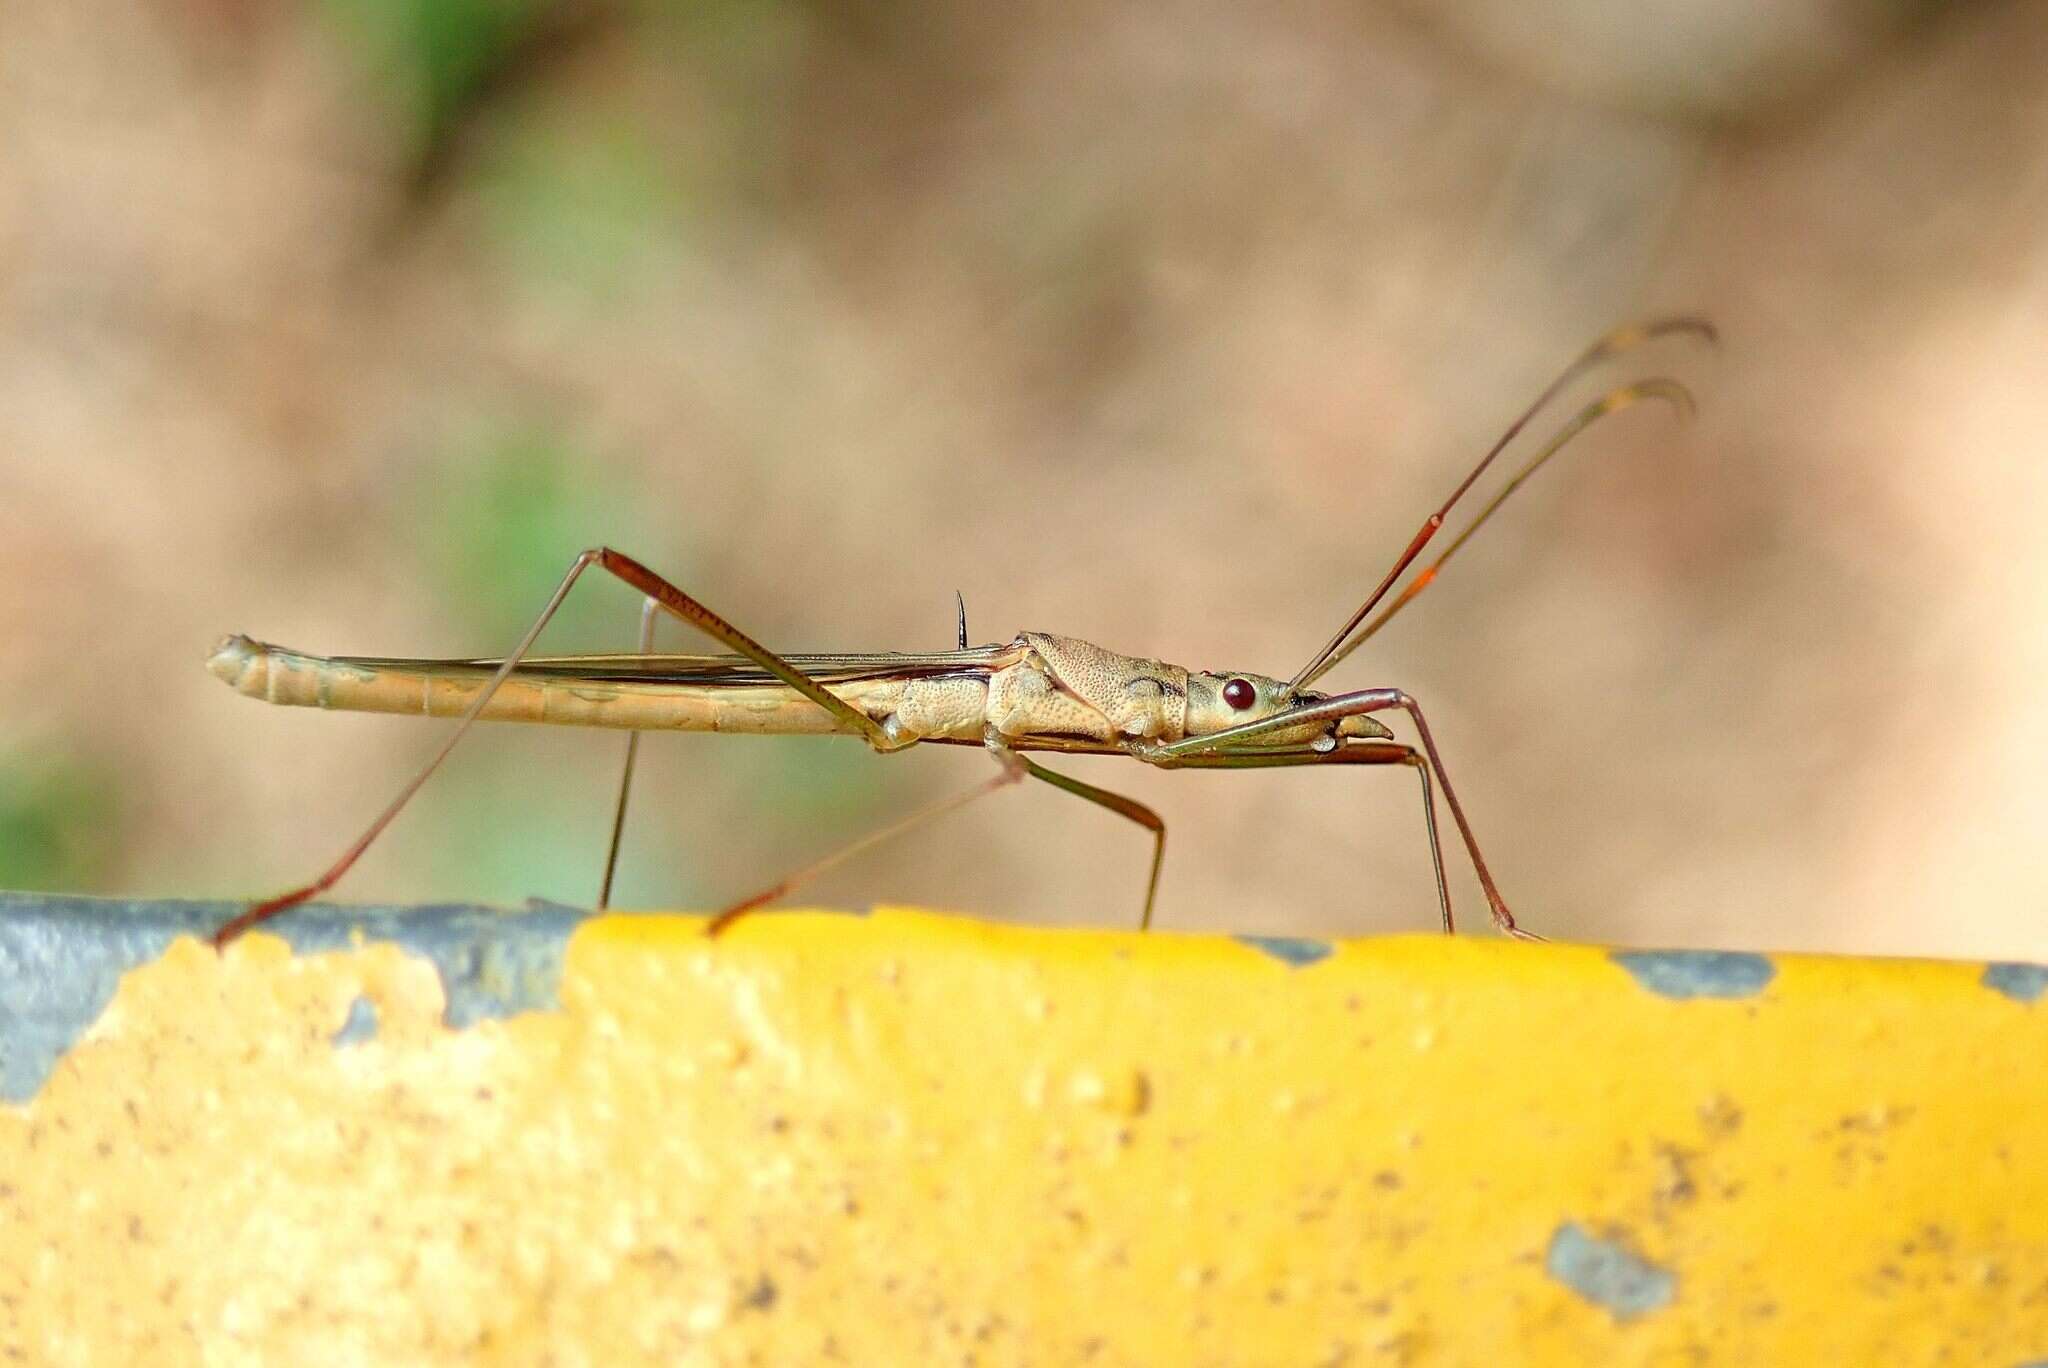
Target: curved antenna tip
x,y
1630,335
1657,387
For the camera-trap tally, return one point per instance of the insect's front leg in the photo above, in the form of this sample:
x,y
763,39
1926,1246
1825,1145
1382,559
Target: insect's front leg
x,y
1354,752
1232,741
1495,903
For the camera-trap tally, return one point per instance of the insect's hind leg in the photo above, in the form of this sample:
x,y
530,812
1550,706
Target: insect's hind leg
x,y
673,601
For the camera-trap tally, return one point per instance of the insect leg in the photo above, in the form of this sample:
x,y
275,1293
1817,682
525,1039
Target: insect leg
x,y
611,855
1352,753
672,600
1013,767
711,624
1495,903
1390,753
1335,709
1126,807
1436,846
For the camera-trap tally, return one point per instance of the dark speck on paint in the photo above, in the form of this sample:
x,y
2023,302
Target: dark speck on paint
x,y
1291,950
1697,973
1606,1273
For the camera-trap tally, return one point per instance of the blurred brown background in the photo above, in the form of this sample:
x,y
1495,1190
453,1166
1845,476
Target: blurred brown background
x,y
347,324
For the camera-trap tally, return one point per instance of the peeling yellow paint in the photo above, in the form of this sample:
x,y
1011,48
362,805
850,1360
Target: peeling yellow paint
x,y
910,1139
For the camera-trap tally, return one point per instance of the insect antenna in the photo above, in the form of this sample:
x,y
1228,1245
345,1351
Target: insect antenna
x,y
1613,401
1613,344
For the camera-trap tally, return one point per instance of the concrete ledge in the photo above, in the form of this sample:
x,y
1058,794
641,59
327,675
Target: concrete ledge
x,y
451,1133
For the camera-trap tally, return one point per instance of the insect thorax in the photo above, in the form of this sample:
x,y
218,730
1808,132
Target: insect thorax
x,y
1062,686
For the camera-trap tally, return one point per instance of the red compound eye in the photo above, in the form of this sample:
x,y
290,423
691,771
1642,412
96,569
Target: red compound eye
x,y
1240,694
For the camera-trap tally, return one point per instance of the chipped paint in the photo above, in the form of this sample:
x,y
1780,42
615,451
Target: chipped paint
x,y
1607,1272
361,1024
1295,951
1697,973
61,959
2020,982
968,1141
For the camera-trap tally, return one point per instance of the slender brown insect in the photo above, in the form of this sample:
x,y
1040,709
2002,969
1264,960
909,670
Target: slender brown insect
x,y
1037,692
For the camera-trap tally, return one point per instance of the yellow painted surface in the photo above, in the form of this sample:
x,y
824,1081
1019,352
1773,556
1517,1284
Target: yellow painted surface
x,y
905,1139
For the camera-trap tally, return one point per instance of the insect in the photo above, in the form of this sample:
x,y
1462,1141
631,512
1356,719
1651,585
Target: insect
x,y
1038,692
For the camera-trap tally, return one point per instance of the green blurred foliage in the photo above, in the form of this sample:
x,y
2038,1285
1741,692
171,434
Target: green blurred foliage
x,y
502,510
579,207
518,820
828,786
748,59
578,180
522,818
59,821
435,56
